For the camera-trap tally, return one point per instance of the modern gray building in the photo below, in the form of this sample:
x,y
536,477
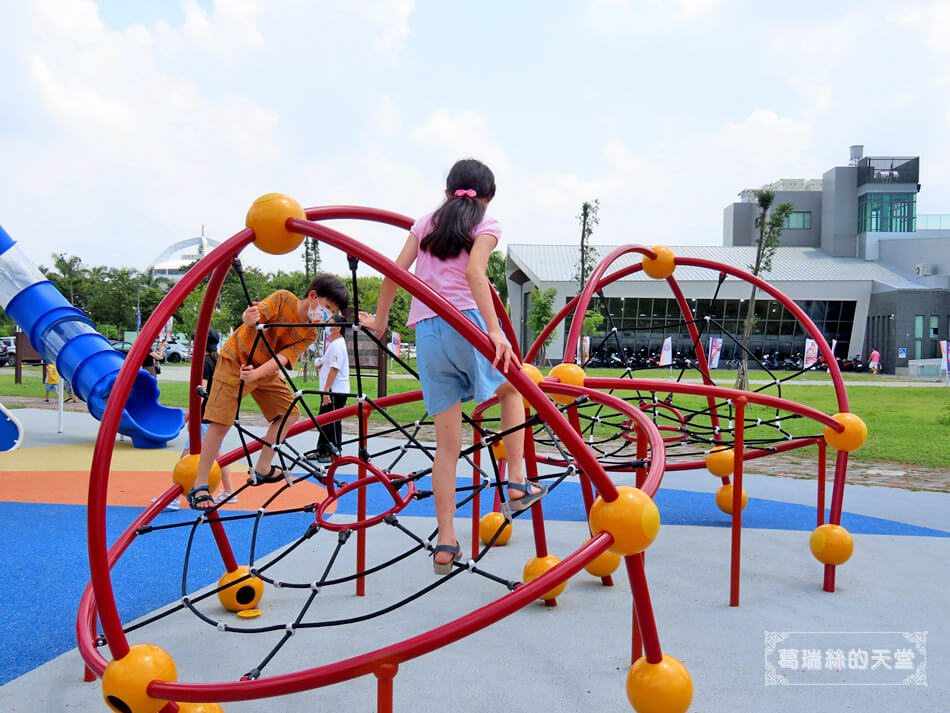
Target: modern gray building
x,y
854,255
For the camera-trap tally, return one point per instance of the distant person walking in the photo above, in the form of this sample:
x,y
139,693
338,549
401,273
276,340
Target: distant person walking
x,y
875,364
154,358
50,380
335,385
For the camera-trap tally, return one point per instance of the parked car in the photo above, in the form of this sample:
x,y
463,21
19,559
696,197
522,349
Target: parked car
x,y
123,347
175,352
7,350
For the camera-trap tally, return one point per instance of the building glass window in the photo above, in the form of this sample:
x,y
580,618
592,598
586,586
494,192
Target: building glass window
x,y
887,213
647,322
919,326
934,329
798,220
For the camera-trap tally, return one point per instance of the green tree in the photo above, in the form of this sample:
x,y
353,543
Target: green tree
x,y
770,232
496,275
540,314
68,275
112,298
593,322
312,264
587,260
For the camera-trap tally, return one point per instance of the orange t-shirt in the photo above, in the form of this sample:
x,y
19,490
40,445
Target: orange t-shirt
x,y
277,308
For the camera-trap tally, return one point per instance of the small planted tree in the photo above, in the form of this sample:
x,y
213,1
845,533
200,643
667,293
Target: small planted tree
x,y
770,232
587,261
311,258
496,274
540,315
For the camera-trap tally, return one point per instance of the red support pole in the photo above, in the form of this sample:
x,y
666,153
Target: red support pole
x,y
738,447
587,492
385,673
537,515
822,454
221,538
643,609
834,517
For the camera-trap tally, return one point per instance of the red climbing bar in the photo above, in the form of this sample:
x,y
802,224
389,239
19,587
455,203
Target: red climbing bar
x,y
738,447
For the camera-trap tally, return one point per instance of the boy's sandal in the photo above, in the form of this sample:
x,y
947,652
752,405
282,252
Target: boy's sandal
x,y
446,568
529,498
194,498
225,497
274,475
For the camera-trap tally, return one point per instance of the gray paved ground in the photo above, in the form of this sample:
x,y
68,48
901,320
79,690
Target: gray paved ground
x,y
574,657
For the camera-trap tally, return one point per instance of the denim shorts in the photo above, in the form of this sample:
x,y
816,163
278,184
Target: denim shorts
x,y
450,368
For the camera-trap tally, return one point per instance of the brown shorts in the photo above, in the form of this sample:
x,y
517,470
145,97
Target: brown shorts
x,y
270,393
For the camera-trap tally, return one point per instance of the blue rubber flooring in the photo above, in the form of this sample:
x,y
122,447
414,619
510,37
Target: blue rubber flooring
x,y
45,561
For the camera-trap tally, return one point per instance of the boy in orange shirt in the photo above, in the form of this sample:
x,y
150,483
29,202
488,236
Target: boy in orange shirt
x,y
260,373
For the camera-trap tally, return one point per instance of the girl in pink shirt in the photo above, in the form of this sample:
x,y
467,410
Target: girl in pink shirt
x,y
450,248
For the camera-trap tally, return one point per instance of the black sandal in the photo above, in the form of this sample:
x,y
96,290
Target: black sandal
x,y
529,498
194,498
445,568
274,475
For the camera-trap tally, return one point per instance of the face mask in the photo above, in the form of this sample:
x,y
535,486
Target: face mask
x,y
318,313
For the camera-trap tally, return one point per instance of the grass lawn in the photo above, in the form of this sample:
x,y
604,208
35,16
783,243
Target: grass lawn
x,y
903,423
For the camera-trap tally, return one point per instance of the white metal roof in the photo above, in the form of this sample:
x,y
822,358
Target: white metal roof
x,y
558,263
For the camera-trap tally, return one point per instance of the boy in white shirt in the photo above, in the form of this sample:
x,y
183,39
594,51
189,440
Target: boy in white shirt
x,y
335,383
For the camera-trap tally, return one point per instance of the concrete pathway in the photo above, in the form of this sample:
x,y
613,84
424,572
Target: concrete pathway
x,y
574,657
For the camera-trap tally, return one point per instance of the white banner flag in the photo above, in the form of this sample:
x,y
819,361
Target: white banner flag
x,y
666,354
715,349
811,353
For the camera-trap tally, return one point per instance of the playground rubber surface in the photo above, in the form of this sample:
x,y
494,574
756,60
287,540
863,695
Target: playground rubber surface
x,y
566,658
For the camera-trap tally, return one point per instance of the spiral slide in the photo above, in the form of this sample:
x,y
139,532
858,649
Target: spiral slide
x,y
66,337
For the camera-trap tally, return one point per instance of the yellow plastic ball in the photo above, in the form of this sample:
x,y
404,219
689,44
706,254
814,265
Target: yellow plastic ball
x,y
125,681
604,564
662,266
720,462
853,436
535,375
724,498
570,374
199,708
243,595
664,687
187,469
831,544
268,216
537,566
490,524
498,448
632,519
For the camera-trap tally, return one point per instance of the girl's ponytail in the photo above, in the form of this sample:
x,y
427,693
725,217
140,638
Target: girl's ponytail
x,y
455,221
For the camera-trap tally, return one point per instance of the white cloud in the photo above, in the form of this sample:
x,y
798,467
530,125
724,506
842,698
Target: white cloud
x,y
459,135
618,17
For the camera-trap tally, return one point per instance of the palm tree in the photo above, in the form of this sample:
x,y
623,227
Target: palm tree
x,y
70,271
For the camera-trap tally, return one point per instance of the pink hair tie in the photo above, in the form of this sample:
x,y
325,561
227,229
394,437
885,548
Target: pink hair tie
x,y
466,192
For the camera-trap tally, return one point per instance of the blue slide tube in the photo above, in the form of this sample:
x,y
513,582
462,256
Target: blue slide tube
x,y
66,337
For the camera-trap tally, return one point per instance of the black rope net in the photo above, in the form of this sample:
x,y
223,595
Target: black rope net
x,y
299,463
691,425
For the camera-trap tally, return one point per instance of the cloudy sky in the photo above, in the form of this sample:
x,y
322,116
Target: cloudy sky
x,y
126,125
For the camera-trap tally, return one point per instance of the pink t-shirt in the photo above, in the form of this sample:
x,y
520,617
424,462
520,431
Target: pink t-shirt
x,y
446,277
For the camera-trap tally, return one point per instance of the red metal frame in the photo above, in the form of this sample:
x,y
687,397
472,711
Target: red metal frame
x,y
99,600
